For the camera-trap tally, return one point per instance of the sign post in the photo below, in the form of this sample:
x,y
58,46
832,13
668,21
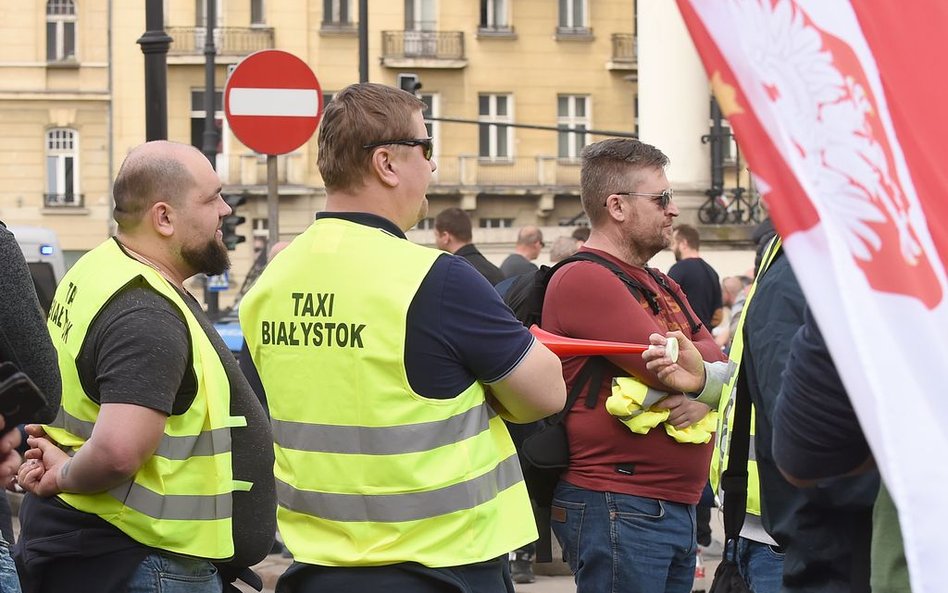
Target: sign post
x,y
273,103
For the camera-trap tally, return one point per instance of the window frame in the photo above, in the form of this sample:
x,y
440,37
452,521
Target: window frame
x,y
571,121
339,13
493,122
261,13
488,222
490,9
60,17
567,15
57,179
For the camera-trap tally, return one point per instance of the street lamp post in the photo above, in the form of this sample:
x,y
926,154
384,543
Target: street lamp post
x,y
155,43
363,40
209,145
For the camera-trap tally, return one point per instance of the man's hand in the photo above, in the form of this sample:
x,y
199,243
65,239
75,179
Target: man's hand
x,y
687,374
9,459
682,411
46,462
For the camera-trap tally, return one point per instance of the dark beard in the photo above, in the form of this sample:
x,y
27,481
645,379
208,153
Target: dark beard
x,y
212,259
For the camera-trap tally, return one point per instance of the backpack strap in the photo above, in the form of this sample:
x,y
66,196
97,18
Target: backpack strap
x,y
693,323
632,284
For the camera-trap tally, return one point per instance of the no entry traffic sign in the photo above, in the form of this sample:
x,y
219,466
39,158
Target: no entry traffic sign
x,y
273,102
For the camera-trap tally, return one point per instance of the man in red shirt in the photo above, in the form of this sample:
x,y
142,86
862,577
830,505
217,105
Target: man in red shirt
x,y
624,510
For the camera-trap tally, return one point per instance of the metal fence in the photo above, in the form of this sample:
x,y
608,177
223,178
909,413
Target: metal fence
x,y
440,45
227,40
624,47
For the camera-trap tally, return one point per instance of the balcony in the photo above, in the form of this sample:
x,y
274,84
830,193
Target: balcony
x,y
624,52
229,41
249,170
513,175
423,49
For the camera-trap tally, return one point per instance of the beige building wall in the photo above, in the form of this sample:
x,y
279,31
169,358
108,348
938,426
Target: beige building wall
x,y
38,95
99,93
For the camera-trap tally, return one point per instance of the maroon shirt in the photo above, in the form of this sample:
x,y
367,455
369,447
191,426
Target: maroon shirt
x,y
586,300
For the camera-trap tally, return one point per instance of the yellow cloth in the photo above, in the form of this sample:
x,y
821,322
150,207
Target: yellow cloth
x,y
631,403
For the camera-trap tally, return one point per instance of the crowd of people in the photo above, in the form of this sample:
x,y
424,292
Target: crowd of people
x,y
373,433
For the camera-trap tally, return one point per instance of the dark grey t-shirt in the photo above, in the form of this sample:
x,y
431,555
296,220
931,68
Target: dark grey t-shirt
x,y
138,351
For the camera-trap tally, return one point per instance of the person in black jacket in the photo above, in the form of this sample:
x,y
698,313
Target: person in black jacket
x,y
453,234
25,342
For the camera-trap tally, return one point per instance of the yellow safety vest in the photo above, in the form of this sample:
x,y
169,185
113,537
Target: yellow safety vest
x,y
368,471
726,419
180,500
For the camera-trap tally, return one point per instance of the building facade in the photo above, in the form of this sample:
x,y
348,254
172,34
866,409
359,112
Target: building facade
x,y
72,103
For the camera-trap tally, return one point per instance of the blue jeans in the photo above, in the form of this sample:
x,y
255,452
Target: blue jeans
x,y
166,573
9,581
619,543
760,565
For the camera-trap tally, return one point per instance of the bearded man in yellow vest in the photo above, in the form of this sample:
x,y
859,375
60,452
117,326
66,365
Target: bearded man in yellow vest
x,y
157,473
388,368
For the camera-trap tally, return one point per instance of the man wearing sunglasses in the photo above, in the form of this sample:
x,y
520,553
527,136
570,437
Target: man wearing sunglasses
x,y
624,509
389,368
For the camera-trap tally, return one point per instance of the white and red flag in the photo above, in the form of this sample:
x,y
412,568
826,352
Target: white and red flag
x,y
842,109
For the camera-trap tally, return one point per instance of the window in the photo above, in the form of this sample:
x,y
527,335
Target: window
x,y
337,13
425,224
572,113
433,109
419,15
494,14
200,14
256,13
197,118
495,223
496,141
60,30
62,168
573,16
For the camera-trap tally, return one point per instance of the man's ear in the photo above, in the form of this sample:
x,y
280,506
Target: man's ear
x,y
162,218
614,208
384,167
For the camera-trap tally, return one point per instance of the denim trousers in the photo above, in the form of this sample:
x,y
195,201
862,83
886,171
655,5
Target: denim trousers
x,y
166,573
760,565
621,543
9,581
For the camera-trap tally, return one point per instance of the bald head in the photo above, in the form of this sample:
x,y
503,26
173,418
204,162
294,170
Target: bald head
x,y
158,171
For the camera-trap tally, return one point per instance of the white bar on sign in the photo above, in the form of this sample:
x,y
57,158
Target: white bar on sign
x,y
274,102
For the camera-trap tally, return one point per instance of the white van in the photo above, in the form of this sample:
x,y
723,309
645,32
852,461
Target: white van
x,y
40,247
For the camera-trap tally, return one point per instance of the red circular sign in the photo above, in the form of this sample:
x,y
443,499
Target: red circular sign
x,y
273,102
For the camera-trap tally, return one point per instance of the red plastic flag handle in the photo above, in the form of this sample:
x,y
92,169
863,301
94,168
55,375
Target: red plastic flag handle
x,y
563,346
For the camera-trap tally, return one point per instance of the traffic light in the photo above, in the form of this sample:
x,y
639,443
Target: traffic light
x,y
232,221
408,82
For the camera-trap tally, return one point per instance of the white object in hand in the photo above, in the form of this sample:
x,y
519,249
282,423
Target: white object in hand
x,y
671,349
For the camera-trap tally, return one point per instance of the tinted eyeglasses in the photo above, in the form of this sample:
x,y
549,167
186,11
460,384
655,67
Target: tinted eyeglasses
x,y
427,144
663,199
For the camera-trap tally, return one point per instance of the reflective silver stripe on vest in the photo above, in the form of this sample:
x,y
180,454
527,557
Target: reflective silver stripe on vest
x,y
175,448
731,370
393,508
752,449
181,507
382,440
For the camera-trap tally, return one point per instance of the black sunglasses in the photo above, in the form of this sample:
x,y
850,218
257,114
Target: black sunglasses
x,y
663,199
427,144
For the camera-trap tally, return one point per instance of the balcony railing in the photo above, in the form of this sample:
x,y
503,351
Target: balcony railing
x,y
520,172
436,45
250,169
229,41
623,48
63,200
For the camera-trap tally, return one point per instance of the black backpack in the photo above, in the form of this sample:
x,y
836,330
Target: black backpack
x,y
543,446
